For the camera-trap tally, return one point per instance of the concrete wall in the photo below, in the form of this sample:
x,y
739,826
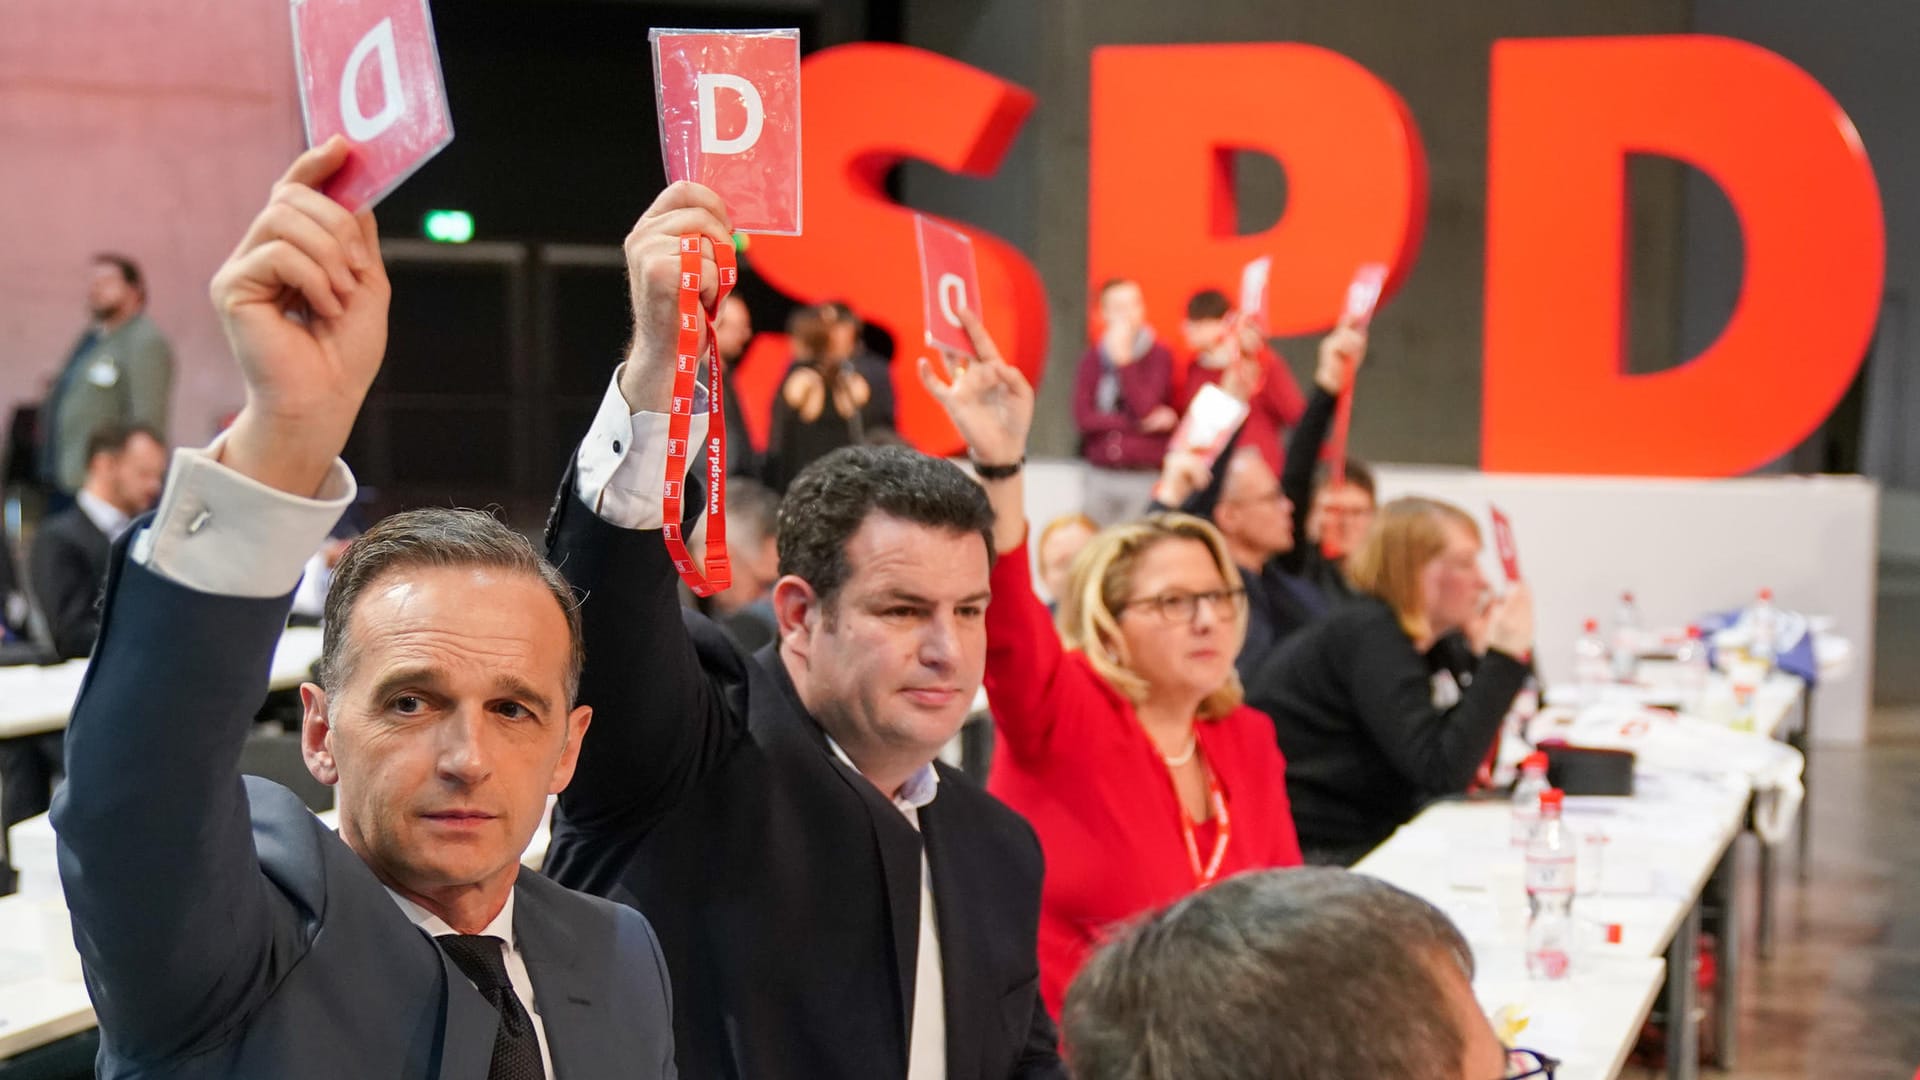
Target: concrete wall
x,y
148,128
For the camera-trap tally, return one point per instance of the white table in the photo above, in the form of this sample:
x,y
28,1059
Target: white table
x,y
1578,1020
1664,846
36,1007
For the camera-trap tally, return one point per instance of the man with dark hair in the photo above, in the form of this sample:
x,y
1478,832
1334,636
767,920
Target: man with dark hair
x,y
1306,974
120,372
1121,405
1232,355
833,900
67,564
224,931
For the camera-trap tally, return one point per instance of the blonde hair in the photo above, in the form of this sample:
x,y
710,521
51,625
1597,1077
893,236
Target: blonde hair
x,y
1062,522
1406,535
1097,587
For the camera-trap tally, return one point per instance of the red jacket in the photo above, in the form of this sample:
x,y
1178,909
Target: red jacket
x,y
1072,757
1275,407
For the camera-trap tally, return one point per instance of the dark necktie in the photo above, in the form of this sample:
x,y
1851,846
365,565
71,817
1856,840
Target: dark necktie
x,y
516,1049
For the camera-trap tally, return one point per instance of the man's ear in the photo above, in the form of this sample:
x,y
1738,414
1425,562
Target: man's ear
x,y
316,735
798,612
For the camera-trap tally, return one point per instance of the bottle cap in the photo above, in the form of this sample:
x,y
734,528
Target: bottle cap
x,y
1693,632
1593,625
1536,761
1552,799
1766,595
1626,596
1613,933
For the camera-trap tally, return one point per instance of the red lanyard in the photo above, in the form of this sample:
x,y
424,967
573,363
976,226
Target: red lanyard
x,y
718,574
1223,829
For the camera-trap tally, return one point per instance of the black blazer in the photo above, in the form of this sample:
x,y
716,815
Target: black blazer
x,y
225,932
65,570
784,886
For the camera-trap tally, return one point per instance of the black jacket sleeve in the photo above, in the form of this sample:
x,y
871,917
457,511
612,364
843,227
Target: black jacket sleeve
x,y
1296,473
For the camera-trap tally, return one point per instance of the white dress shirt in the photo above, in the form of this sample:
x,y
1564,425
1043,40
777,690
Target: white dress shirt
x,y
105,516
620,467
502,928
226,534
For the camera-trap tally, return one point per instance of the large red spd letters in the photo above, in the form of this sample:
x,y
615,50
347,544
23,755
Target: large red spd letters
x,y
1564,114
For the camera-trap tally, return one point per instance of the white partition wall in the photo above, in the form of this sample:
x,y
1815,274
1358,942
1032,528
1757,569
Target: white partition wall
x,y
1683,546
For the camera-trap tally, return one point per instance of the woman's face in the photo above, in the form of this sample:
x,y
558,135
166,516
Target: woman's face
x,y
1452,588
1183,623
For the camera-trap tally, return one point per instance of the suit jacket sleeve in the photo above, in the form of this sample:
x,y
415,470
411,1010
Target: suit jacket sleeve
x,y
1296,473
66,586
659,724
180,932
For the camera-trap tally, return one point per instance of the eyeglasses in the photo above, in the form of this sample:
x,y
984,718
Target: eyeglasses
x,y
1184,607
1529,1064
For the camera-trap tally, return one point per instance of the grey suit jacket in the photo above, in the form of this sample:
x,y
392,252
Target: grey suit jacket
x,y
225,932
123,377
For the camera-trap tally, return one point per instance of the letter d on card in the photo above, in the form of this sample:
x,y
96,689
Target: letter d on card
x,y
369,70
949,284
730,119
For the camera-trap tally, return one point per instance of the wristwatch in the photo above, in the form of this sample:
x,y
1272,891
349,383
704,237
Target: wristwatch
x,y
997,472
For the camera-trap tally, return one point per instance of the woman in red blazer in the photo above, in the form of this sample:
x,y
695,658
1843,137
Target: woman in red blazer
x,y
1123,739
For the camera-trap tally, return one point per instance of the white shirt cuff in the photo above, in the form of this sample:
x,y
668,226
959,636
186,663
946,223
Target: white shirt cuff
x,y
621,466
226,534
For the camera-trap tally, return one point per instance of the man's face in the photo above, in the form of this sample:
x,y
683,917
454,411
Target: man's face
x,y
1203,335
108,294
1342,514
1057,555
1123,305
732,329
450,727
134,475
1253,514
893,663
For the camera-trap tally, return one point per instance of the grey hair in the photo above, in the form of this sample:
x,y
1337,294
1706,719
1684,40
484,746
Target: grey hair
x,y
1306,974
436,538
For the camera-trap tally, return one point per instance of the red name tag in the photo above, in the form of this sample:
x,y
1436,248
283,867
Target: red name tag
x,y
369,70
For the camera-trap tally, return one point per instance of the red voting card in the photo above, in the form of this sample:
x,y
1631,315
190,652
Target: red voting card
x,y
1363,295
369,70
1253,289
1503,541
948,284
730,119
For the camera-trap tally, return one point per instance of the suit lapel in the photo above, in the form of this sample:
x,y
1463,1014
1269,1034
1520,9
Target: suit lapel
x,y
960,976
566,980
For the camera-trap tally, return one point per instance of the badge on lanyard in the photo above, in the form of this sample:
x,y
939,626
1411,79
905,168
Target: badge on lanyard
x,y
103,372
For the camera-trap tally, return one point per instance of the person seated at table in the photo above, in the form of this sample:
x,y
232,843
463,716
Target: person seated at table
x,y
67,564
1352,696
1123,739
1337,514
224,932
1060,543
1230,353
1309,974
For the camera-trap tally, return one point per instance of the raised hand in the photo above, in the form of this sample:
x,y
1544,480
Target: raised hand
x,y
303,300
1341,354
989,401
653,286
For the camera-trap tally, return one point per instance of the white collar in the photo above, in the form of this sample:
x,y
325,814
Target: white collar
x,y
501,926
917,792
105,516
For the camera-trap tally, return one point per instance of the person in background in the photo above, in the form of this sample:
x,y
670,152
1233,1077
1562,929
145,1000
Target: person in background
x,y
223,930
1123,738
818,409
1312,974
1339,514
1352,696
1232,355
732,332
848,347
119,373
745,608
1120,406
1060,541
67,564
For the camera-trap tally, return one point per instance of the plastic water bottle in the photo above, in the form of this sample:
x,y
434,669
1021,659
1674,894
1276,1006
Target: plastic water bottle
x,y
1591,670
1626,638
1765,622
1526,798
1690,659
1550,884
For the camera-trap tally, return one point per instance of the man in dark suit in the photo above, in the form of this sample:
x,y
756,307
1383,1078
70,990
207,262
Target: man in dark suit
x,y
68,562
224,931
832,900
